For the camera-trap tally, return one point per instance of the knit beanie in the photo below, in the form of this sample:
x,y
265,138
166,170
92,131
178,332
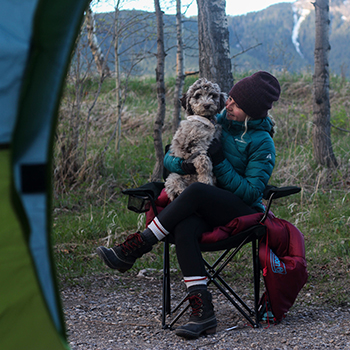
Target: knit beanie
x,y
255,94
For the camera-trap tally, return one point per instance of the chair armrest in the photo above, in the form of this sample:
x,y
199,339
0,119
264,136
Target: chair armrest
x,y
141,198
273,192
150,190
279,192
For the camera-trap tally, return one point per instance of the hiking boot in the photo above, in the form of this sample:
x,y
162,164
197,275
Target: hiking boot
x,y
202,319
122,256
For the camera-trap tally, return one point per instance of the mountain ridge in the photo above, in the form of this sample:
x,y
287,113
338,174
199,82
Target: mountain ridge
x,y
289,42
278,38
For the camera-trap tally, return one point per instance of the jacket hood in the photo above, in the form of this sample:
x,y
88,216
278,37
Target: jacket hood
x,y
257,124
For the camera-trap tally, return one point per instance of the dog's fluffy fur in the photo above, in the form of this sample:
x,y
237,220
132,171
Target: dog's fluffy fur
x,y
202,102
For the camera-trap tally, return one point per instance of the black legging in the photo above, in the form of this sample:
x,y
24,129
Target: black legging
x,y
199,209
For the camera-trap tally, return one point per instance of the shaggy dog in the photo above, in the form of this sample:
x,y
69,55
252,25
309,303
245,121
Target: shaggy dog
x,y
202,102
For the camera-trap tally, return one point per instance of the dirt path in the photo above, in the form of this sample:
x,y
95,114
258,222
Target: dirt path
x,y
116,312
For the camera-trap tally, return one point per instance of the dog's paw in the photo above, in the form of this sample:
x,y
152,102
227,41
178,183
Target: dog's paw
x,y
170,193
170,188
203,164
175,185
206,179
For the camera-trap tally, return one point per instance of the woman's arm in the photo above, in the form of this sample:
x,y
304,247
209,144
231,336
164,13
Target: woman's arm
x,y
173,164
250,185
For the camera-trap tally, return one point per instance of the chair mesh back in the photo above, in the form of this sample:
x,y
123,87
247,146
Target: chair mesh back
x,y
139,204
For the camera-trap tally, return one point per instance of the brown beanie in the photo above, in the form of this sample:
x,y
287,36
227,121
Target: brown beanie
x,y
255,94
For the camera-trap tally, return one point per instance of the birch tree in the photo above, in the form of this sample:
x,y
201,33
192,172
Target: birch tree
x,y
158,124
323,151
96,51
121,27
213,42
180,77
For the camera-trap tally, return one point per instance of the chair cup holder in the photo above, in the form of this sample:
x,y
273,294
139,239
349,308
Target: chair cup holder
x,y
139,204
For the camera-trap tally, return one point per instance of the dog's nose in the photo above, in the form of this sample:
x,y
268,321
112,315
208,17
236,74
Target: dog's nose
x,y
206,105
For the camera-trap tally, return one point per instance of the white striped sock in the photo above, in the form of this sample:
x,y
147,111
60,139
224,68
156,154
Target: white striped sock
x,y
195,280
157,228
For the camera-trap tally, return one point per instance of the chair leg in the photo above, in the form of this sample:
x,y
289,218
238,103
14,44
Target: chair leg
x,y
166,283
233,302
256,269
179,315
215,278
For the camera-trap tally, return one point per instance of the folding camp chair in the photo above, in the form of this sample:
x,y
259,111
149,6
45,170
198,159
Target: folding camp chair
x,y
143,198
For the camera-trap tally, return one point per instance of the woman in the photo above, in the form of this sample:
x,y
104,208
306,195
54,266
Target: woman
x,y
243,160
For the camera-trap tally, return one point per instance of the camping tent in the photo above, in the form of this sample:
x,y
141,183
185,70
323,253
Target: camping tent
x,y
37,38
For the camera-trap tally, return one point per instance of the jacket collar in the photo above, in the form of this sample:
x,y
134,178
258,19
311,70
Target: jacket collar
x,y
256,124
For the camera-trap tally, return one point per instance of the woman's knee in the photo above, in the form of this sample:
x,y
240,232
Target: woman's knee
x,y
195,190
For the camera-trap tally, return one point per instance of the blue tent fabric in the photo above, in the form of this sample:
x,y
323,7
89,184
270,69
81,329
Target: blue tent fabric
x,y
15,34
36,39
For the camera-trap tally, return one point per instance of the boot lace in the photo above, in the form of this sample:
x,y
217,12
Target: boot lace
x,y
131,243
196,303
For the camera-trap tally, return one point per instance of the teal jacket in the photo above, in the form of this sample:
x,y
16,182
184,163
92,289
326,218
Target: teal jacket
x,y
249,161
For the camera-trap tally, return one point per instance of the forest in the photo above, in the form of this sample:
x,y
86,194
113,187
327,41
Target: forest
x,y
90,210
92,167
89,106
281,37
106,143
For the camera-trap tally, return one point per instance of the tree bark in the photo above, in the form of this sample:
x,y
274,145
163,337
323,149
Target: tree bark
x,y
213,43
323,151
117,77
158,124
100,61
180,77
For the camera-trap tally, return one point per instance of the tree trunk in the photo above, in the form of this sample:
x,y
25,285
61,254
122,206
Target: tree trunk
x,y
101,63
213,43
180,77
158,124
323,151
117,77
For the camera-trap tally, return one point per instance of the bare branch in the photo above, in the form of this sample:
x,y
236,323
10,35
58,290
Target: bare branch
x,y
246,50
341,129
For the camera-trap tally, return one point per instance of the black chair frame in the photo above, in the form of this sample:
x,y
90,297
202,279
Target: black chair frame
x,y
142,198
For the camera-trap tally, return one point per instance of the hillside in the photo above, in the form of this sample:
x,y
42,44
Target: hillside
x,y
281,38
287,35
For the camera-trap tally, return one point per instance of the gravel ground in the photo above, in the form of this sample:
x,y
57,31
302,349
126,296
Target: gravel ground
x,y
113,312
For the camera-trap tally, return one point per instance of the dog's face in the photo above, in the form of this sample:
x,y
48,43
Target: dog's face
x,y
203,98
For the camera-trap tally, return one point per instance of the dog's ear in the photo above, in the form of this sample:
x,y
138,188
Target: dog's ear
x,y
189,110
183,101
186,106
223,98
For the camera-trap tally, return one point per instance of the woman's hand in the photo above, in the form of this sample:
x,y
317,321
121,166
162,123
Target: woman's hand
x,y
215,152
187,165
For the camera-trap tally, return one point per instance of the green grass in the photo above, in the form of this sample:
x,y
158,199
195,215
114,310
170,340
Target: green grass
x,y
89,209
